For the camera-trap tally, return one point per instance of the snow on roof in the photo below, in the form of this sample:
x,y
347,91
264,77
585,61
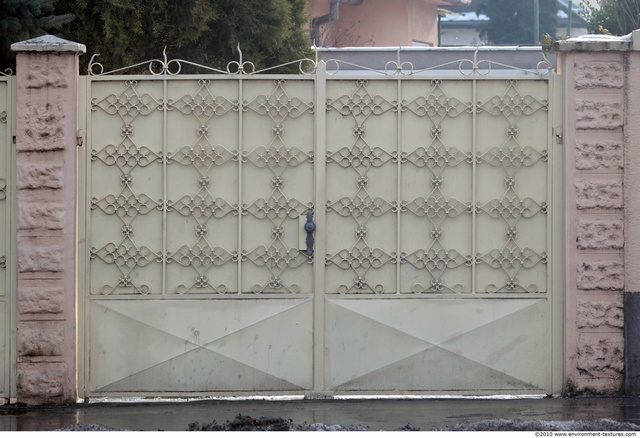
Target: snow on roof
x,y
464,17
471,17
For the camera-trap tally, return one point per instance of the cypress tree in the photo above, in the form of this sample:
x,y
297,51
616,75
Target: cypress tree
x,y
24,19
126,32
511,21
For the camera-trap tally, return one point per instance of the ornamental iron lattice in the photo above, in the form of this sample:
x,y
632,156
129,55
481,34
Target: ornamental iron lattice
x,y
201,163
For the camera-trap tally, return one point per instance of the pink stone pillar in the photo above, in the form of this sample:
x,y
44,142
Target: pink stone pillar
x,y
46,173
602,210
632,218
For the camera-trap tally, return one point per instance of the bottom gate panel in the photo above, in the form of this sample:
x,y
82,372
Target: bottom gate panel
x,y
466,345
199,346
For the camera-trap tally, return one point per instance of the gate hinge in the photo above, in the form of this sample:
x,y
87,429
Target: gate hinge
x,y
80,138
557,133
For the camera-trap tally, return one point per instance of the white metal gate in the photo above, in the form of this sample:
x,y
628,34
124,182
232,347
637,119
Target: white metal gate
x,y
432,267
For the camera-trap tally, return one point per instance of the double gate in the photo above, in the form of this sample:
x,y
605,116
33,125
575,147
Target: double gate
x,y
343,232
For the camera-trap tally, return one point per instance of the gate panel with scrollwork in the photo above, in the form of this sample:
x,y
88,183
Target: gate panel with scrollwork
x,y
438,198
431,267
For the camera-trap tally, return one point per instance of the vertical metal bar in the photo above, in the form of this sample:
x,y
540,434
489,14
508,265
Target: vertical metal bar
x,y
569,16
536,21
556,237
399,184
165,130
240,149
321,229
11,254
550,210
83,215
474,182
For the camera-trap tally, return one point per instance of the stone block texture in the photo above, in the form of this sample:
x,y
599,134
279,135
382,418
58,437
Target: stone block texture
x,y
43,174
600,234
41,299
599,154
43,258
594,215
601,357
42,383
598,74
600,314
599,114
46,126
598,194
42,215
41,341
42,129
601,275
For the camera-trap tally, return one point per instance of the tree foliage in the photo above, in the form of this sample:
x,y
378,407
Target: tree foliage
x,y
616,17
24,19
126,32
511,21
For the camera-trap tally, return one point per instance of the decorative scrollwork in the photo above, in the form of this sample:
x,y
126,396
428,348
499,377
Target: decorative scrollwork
x,y
512,260
277,156
436,207
123,255
128,104
203,103
200,155
126,205
513,207
279,104
361,156
172,67
513,156
201,256
512,105
276,259
361,206
126,156
436,105
436,157
202,206
361,103
278,207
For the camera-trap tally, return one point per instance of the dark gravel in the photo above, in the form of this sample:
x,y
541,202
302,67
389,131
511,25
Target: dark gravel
x,y
247,423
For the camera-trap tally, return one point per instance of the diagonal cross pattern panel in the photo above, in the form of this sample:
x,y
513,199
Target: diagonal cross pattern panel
x,y
436,369
358,345
489,344
200,370
152,335
277,345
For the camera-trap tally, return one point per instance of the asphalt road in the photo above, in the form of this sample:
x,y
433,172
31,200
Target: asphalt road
x,y
386,414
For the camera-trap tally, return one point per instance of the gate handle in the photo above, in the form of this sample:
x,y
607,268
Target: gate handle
x,y
310,227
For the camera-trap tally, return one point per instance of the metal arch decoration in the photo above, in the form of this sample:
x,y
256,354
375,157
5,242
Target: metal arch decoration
x,y
465,67
173,67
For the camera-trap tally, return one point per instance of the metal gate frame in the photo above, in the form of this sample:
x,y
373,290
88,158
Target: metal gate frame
x,y
320,297
8,303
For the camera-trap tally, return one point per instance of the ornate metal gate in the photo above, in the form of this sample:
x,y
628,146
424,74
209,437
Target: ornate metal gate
x,y
431,268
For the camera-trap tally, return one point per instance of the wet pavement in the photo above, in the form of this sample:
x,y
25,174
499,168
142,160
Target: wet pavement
x,y
377,414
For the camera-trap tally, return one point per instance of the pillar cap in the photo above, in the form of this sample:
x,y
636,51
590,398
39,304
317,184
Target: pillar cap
x,y
595,43
48,43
